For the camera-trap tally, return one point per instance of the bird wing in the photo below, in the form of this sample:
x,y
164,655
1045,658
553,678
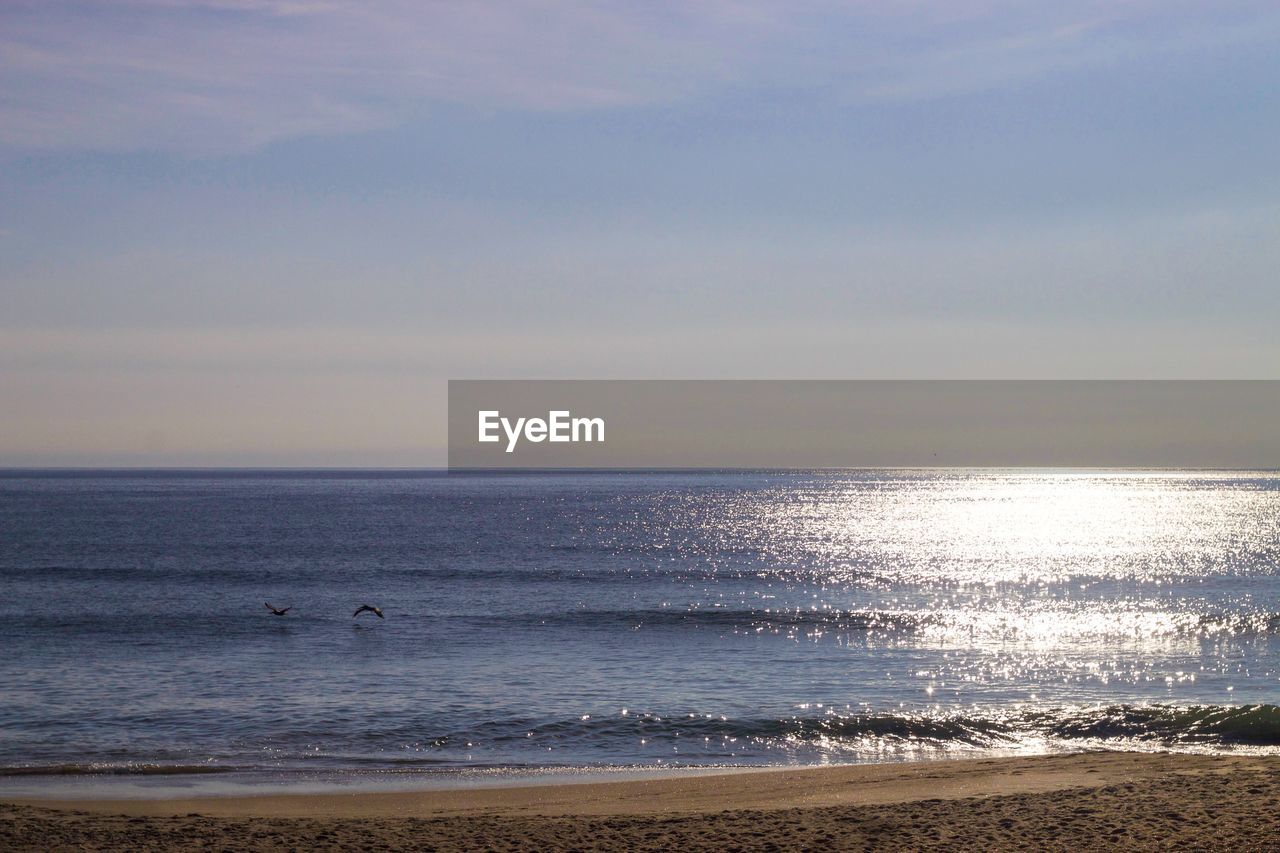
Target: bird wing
x,y
267,604
286,610
362,608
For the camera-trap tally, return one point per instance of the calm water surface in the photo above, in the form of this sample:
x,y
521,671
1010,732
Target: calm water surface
x,y
636,620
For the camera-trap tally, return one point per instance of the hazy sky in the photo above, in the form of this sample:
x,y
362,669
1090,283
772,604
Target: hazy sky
x,y
240,232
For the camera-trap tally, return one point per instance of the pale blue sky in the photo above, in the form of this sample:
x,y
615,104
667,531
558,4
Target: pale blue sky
x,y
240,232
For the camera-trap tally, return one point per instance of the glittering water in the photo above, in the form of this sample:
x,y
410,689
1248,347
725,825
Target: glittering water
x,y
631,619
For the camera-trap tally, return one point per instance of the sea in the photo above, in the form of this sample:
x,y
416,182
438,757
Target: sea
x,y
544,624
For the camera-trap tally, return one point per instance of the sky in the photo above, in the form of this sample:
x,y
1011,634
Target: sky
x,y
266,232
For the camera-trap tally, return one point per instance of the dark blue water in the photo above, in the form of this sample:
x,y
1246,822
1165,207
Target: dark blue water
x,y
631,619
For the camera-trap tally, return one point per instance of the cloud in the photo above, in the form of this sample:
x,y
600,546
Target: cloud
x,y
224,76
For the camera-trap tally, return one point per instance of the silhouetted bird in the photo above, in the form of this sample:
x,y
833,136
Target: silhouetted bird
x,y
280,612
368,608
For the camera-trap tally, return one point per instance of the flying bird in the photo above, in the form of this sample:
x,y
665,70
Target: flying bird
x,y
277,611
368,608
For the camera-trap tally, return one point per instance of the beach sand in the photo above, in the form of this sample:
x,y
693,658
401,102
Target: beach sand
x,y
1071,802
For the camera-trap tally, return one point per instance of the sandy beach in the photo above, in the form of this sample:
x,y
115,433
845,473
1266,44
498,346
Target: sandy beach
x,y
1071,802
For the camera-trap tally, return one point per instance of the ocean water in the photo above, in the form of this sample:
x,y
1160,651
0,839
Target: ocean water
x,y
627,620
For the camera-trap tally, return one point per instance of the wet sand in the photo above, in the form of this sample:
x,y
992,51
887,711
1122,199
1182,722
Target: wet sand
x,y
1088,801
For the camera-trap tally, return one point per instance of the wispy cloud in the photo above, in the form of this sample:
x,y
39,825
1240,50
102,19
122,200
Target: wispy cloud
x,y
231,75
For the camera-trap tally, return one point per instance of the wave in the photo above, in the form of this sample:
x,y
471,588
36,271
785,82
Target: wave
x,y
748,619
958,625
1114,726
1007,626
697,739
1255,725
254,575
128,769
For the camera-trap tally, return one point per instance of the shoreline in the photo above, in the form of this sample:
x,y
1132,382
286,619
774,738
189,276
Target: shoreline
x,y
697,792
127,786
1099,800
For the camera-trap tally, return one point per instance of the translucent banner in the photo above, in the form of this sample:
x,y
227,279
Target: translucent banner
x,y
621,424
